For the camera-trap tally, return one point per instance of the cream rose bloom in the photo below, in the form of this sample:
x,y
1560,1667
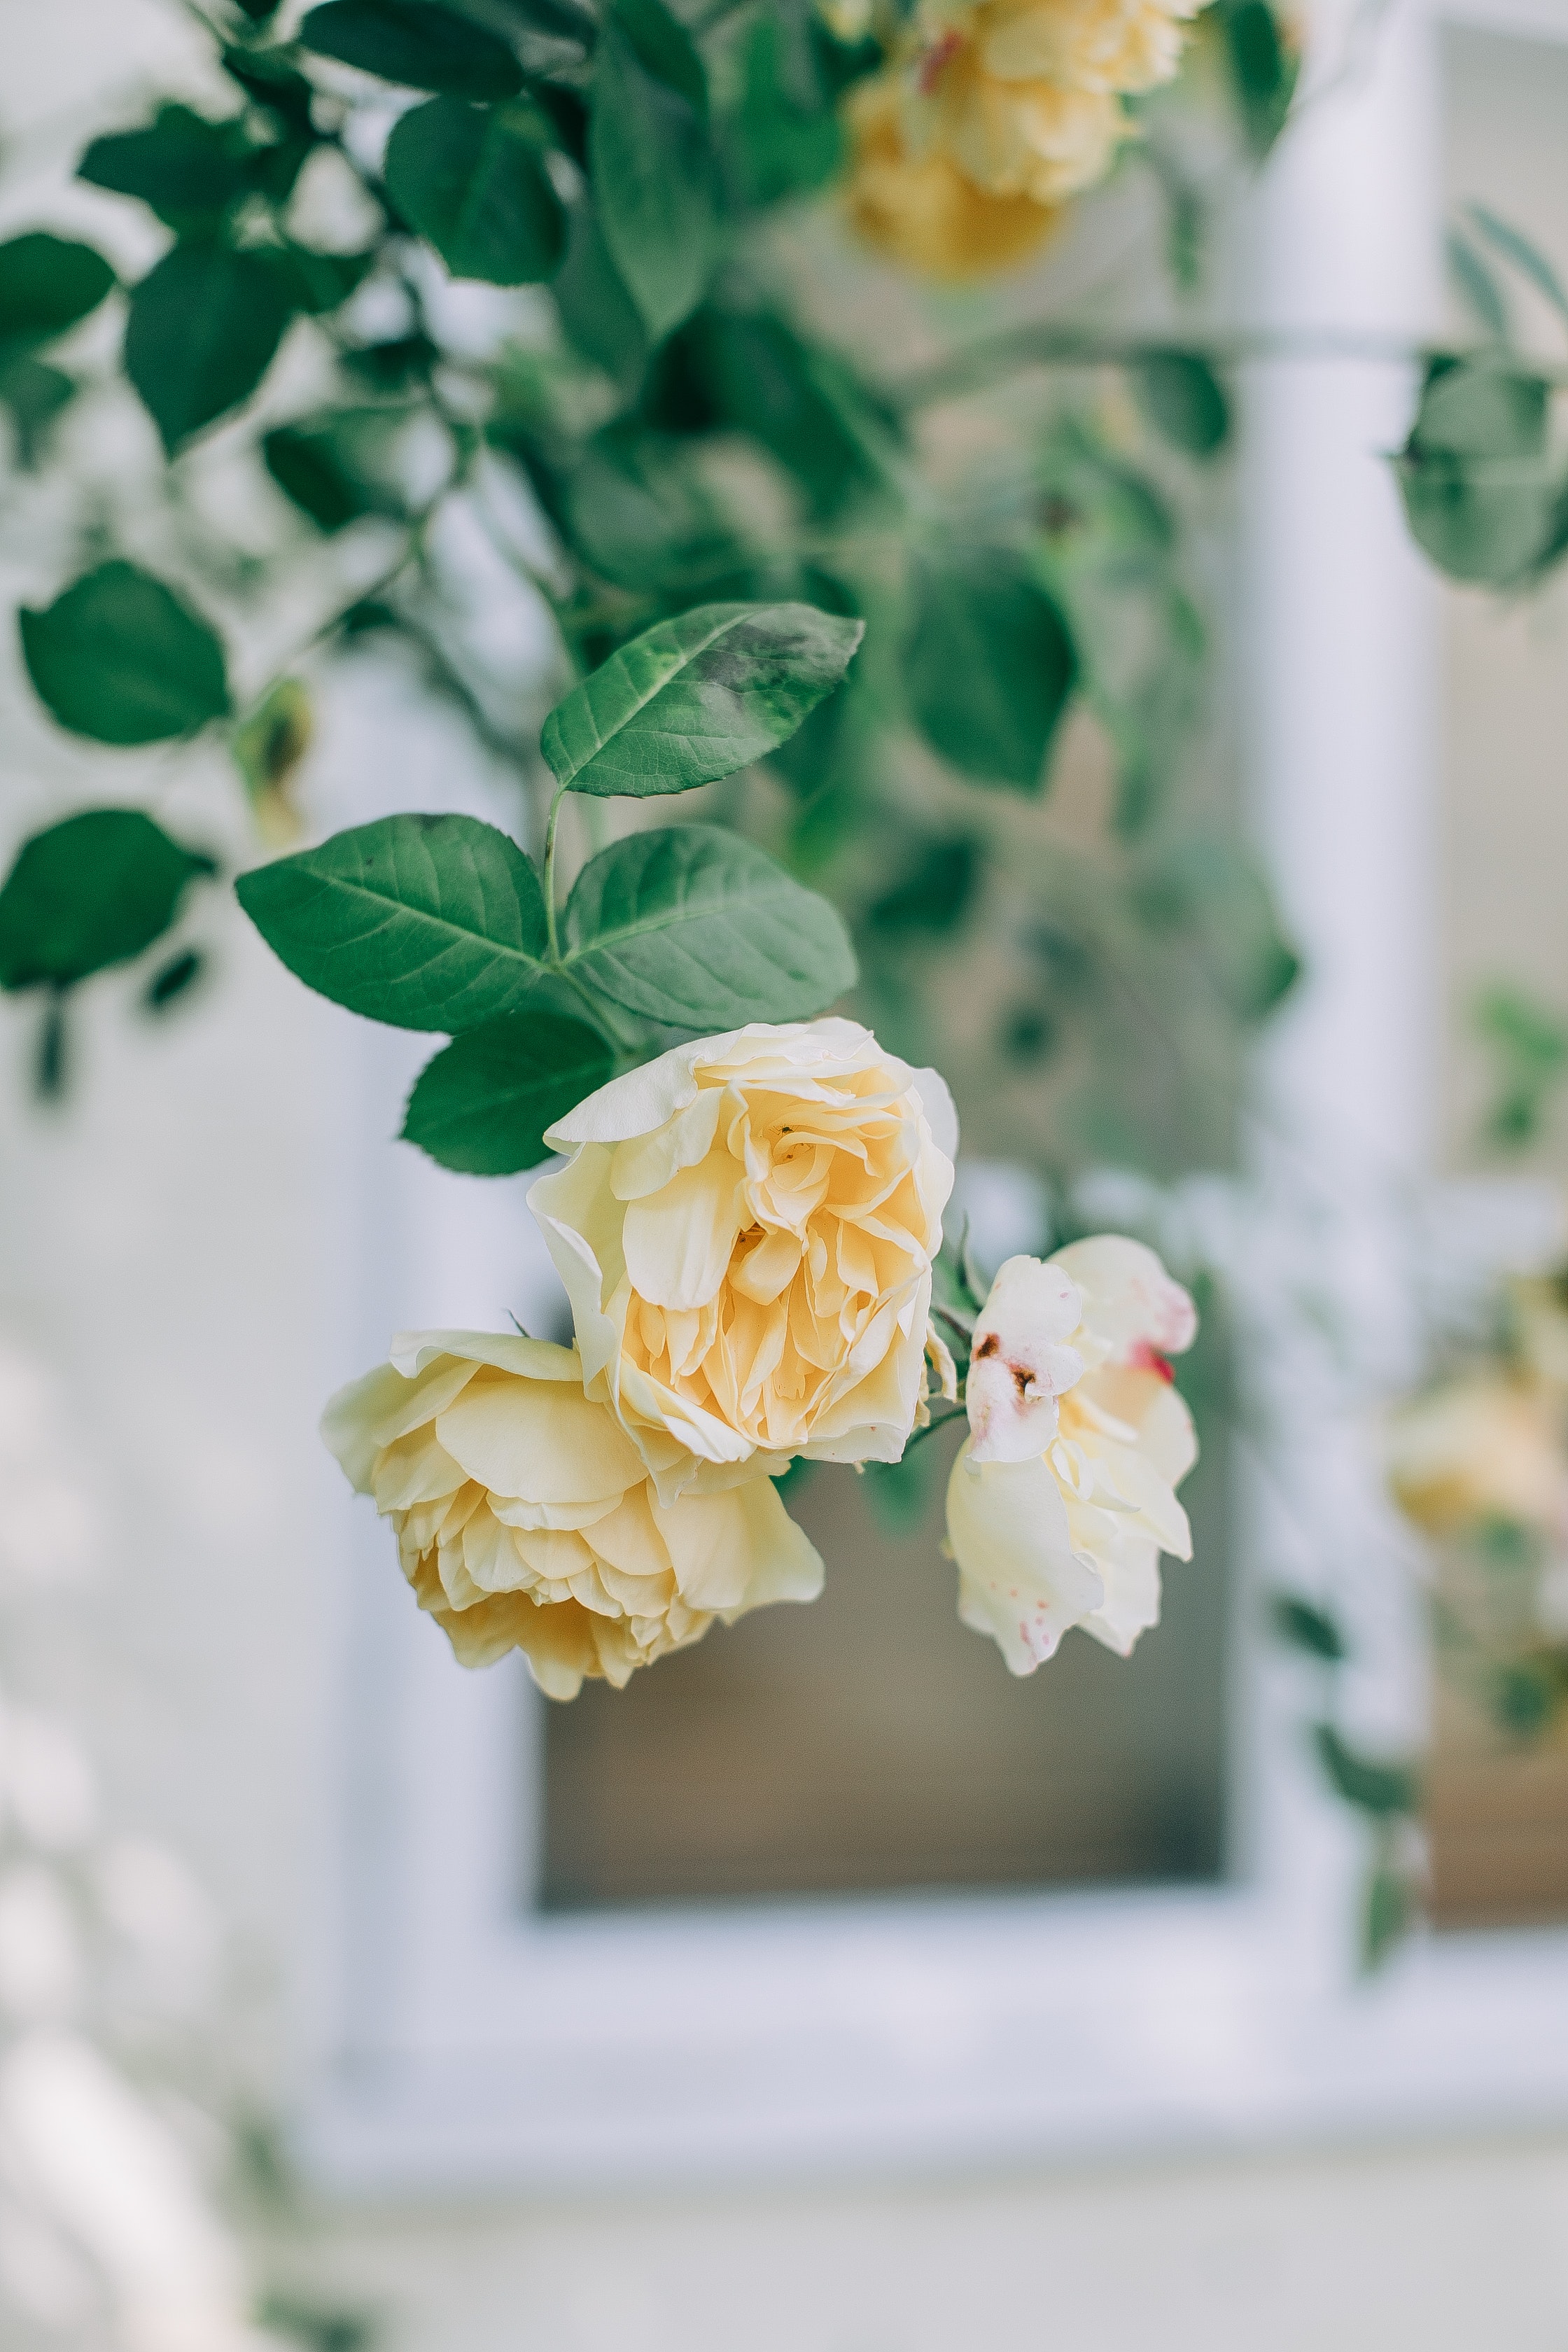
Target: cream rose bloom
x,y
746,1230
1063,1496
526,1518
1486,1447
1026,95
915,204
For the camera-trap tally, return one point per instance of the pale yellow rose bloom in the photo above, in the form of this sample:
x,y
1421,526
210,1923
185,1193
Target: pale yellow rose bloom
x,y
916,206
1062,1519
526,1519
1021,100
1013,135
1109,48
1485,1447
746,1230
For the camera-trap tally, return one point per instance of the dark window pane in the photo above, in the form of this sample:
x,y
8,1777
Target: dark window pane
x,y
870,1742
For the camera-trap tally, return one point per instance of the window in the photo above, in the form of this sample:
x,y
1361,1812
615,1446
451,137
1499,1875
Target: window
x,y
871,1743
634,2025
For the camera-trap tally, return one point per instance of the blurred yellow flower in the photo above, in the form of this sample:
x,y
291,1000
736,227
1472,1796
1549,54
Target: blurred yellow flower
x,y
746,1230
1016,103
526,1519
1485,1447
919,208
1063,1496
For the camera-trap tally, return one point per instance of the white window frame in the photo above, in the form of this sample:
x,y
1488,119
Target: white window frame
x,y
461,2041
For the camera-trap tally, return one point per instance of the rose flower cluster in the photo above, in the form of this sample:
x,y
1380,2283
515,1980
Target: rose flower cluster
x,y
747,1229
993,114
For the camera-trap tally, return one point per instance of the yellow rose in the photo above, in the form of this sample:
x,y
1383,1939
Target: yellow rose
x,y
919,208
746,1230
1063,1496
1012,134
994,106
526,1521
1482,1448
1106,46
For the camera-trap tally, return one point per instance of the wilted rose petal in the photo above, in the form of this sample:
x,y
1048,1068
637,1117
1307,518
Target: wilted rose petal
x,y
1019,1363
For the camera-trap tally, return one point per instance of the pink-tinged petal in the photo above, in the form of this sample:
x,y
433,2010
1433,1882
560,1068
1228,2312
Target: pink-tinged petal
x,y
1129,1302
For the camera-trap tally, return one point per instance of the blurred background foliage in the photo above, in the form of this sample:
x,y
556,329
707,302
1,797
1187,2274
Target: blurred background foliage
x,y
1014,802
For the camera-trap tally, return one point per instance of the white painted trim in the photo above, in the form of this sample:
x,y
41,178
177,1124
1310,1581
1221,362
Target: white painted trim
x,y
471,2044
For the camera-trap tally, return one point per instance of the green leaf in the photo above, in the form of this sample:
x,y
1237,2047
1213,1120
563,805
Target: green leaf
x,y
637,508
91,892
1526,257
268,80
307,467
1481,408
750,373
1478,287
475,183
46,284
697,929
173,981
934,892
122,658
35,393
483,1104
1387,1914
696,697
1310,1629
989,667
1263,69
416,43
204,326
427,922
186,167
1110,555
665,48
1480,490
655,186
338,468
314,282
1371,1786
597,310
779,147
1531,1046
1184,399
1206,887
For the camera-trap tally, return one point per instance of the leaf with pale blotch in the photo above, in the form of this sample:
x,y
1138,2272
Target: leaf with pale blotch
x,y
696,697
